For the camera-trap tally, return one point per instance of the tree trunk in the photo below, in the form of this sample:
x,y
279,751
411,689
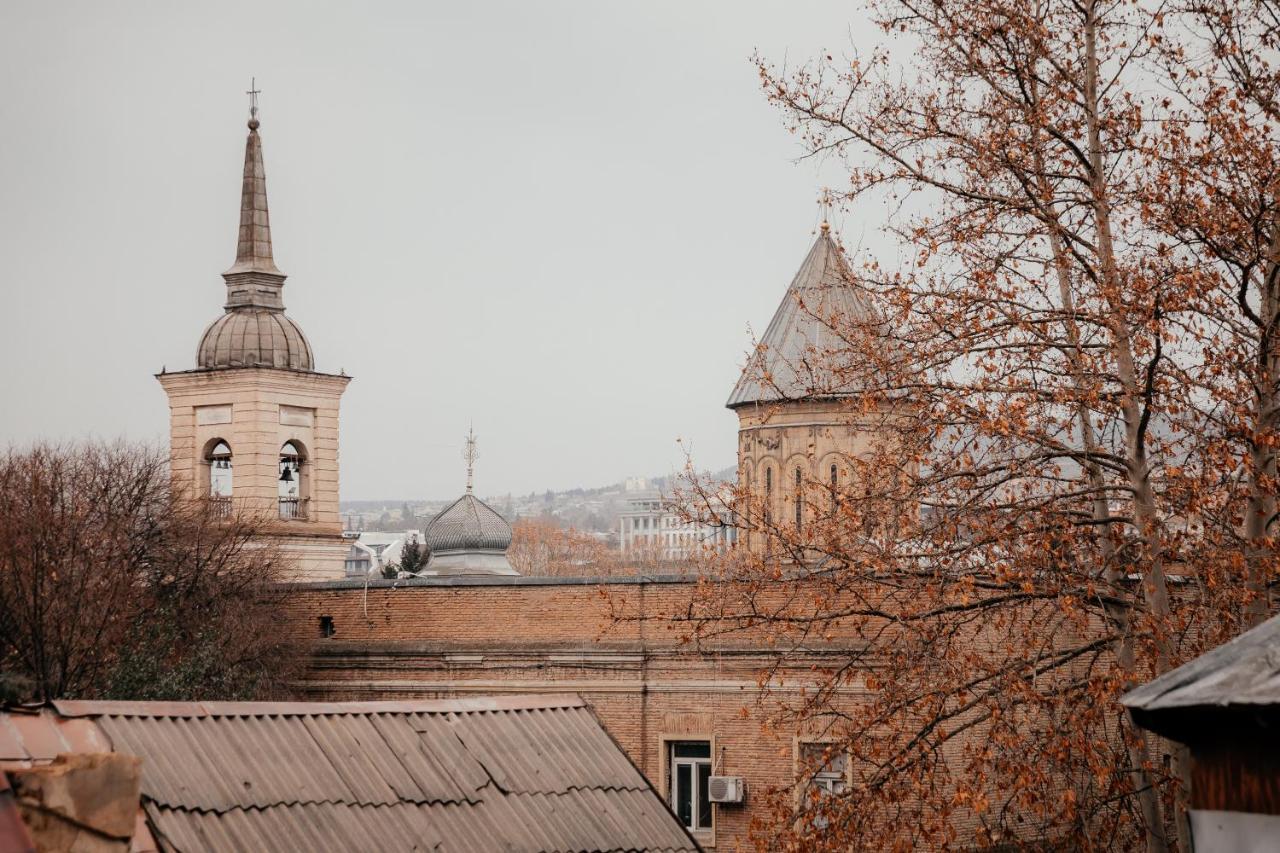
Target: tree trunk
x,y
1260,512
1135,396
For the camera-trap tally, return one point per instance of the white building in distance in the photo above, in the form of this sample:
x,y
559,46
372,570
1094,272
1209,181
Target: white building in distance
x,y
651,526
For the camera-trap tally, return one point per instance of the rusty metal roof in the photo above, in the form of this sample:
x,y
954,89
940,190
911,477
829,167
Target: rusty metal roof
x,y
511,773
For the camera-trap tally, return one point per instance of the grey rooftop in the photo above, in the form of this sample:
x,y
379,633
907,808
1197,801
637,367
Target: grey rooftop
x,y
790,361
1242,676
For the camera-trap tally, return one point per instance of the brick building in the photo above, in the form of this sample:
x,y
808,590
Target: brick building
x,y
255,426
797,431
682,714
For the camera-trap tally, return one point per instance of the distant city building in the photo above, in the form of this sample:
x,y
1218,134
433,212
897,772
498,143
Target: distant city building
x,y
635,484
651,525
360,560
373,550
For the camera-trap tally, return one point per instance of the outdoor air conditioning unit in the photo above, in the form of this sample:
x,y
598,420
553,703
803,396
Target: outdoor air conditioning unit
x,y
726,789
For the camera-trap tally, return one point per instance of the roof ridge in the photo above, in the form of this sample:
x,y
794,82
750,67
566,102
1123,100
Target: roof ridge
x,y
577,789
288,804
127,708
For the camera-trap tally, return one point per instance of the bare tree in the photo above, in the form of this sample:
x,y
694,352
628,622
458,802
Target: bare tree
x,y
110,587
541,547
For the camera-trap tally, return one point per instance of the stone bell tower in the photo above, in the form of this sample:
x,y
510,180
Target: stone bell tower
x,y
254,427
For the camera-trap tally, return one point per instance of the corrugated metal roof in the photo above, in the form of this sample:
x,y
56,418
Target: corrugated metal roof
x,y
566,750
791,360
511,773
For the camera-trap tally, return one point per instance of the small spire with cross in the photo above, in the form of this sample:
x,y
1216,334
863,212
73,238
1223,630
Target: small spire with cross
x,y
253,94
824,202
470,456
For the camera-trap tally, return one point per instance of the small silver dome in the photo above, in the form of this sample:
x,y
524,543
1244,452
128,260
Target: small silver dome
x,y
254,338
468,524
468,537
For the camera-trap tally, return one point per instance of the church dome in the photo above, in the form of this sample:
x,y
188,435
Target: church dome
x,y
254,338
468,524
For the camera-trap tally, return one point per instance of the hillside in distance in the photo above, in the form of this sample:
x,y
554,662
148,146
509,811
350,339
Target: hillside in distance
x,y
593,510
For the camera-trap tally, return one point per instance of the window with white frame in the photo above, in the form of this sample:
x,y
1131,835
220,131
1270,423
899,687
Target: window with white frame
x,y
824,772
689,763
824,766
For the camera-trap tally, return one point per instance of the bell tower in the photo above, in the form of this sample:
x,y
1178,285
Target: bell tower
x,y
254,427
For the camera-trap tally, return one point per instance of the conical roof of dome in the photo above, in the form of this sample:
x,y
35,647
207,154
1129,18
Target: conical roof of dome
x,y
788,362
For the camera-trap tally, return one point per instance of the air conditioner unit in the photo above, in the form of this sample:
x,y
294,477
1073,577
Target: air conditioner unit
x,y
726,789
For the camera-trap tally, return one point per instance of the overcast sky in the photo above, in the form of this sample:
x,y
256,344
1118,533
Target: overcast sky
x,y
555,220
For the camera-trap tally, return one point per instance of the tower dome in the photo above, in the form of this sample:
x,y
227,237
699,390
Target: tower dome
x,y
791,361
254,338
468,524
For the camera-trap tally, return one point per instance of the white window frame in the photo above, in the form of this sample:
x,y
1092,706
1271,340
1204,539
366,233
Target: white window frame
x,y
673,764
824,780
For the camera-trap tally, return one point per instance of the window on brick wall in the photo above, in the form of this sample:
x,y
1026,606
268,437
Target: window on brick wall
x,y
823,770
689,762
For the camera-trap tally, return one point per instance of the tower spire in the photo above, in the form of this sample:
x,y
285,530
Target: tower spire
x,y
470,456
253,247
253,94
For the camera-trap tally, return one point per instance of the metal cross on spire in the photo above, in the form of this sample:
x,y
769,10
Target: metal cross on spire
x,y
253,94
470,455
824,202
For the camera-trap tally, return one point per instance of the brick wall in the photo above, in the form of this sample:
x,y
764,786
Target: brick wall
x,y
458,636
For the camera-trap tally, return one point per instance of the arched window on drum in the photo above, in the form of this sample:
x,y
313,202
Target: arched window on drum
x,y
768,495
799,499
